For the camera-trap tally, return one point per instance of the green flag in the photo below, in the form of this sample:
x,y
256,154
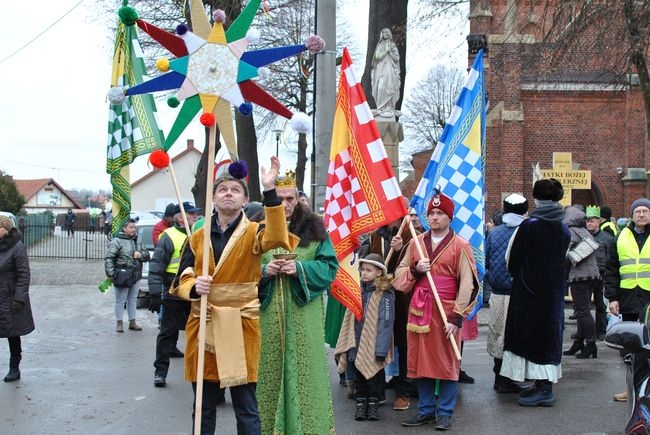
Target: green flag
x,y
132,127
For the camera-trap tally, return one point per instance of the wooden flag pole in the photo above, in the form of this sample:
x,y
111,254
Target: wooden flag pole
x,y
399,233
204,271
177,189
435,291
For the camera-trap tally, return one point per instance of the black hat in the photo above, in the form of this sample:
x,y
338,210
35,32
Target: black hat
x,y
605,212
170,210
515,203
548,189
188,206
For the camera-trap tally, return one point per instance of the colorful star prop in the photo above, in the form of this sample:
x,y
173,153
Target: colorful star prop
x,y
213,70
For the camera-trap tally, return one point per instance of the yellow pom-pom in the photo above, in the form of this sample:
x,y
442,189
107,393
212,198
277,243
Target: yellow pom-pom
x,y
162,65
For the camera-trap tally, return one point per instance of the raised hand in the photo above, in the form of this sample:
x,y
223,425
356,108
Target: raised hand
x,y
269,177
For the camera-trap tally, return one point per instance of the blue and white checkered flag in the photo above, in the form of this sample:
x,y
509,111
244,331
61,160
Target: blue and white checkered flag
x,y
457,166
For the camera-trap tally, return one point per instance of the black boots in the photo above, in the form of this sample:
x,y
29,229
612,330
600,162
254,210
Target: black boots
x,y
577,346
589,350
14,371
373,409
361,413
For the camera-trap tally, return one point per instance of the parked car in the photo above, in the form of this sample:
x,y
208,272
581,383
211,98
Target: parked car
x,y
160,214
144,230
144,217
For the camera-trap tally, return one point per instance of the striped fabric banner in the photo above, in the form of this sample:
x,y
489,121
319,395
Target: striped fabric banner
x,y
362,191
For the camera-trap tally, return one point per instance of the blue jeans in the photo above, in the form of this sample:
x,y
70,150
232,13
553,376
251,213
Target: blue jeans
x,y
447,395
128,294
244,403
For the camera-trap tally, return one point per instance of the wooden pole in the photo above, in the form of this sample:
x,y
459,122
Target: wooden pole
x,y
399,233
435,291
204,271
177,189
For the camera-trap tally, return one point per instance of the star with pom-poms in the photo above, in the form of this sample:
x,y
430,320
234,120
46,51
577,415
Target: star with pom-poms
x,y
213,70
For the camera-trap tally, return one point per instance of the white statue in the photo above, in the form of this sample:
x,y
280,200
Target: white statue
x,y
385,75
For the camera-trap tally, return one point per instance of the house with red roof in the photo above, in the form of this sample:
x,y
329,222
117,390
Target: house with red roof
x,y
45,194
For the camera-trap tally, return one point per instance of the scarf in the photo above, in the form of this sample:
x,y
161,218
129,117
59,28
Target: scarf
x,y
421,307
548,210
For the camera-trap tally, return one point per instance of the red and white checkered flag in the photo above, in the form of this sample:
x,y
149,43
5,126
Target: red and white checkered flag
x,y
362,191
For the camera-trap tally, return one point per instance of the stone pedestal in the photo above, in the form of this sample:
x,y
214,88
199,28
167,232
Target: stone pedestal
x,y
391,135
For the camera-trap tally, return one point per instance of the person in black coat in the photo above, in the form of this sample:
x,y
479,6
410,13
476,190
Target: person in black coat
x,y
536,261
15,310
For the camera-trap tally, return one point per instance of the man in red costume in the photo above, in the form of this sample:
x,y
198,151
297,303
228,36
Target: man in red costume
x,y
431,358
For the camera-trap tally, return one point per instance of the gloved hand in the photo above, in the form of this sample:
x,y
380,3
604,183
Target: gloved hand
x,y
16,305
154,304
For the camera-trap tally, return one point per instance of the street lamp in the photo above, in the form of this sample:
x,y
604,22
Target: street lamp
x,y
278,134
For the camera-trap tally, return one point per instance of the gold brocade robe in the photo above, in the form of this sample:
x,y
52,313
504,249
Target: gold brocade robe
x,y
240,263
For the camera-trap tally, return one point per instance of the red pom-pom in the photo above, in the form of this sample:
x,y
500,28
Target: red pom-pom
x,y
207,119
159,159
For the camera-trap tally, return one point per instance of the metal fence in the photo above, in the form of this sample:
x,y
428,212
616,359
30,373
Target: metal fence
x,y
50,241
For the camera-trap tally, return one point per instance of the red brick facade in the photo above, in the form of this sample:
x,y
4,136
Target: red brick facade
x,y
534,112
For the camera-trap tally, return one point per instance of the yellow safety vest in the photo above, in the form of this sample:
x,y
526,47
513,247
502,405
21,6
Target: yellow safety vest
x,y
635,265
610,225
178,238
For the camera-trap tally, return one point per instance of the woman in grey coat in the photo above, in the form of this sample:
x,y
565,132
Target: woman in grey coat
x,y
124,258
15,310
584,279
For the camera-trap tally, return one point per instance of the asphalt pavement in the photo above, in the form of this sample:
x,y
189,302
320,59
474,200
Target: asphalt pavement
x,y
79,377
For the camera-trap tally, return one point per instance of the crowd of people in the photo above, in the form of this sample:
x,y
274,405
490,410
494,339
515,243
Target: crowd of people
x,y
270,264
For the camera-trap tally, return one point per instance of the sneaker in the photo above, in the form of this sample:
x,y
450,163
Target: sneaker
x,y
509,386
159,381
361,411
621,397
539,398
176,353
401,404
444,422
465,378
419,420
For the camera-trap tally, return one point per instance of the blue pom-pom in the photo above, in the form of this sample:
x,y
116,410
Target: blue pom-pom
x,y
181,29
245,109
238,169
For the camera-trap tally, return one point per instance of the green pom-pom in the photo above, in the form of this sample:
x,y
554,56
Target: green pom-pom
x,y
127,15
173,102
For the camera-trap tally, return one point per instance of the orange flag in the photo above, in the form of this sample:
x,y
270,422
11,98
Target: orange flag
x,y
362,191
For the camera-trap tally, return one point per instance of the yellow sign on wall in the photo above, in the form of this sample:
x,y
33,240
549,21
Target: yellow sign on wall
x,y
571,179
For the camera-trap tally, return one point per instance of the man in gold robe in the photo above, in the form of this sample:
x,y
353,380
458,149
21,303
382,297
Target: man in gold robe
x,y
232,347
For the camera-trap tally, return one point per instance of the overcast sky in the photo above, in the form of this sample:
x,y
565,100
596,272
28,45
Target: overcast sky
x,y
55,114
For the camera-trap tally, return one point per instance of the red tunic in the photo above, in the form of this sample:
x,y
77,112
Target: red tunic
x,y
430,354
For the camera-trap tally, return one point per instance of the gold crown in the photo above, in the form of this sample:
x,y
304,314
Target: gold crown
x,y
286,180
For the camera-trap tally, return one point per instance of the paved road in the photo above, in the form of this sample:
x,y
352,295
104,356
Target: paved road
x,y
81,377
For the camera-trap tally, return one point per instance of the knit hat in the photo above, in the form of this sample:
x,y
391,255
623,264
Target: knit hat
x,y
548,189
6,223
641,202
444,203
376,260
515,203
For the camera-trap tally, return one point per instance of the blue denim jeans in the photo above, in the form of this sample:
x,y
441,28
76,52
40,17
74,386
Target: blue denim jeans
x,y
447,394
128,294
244,403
